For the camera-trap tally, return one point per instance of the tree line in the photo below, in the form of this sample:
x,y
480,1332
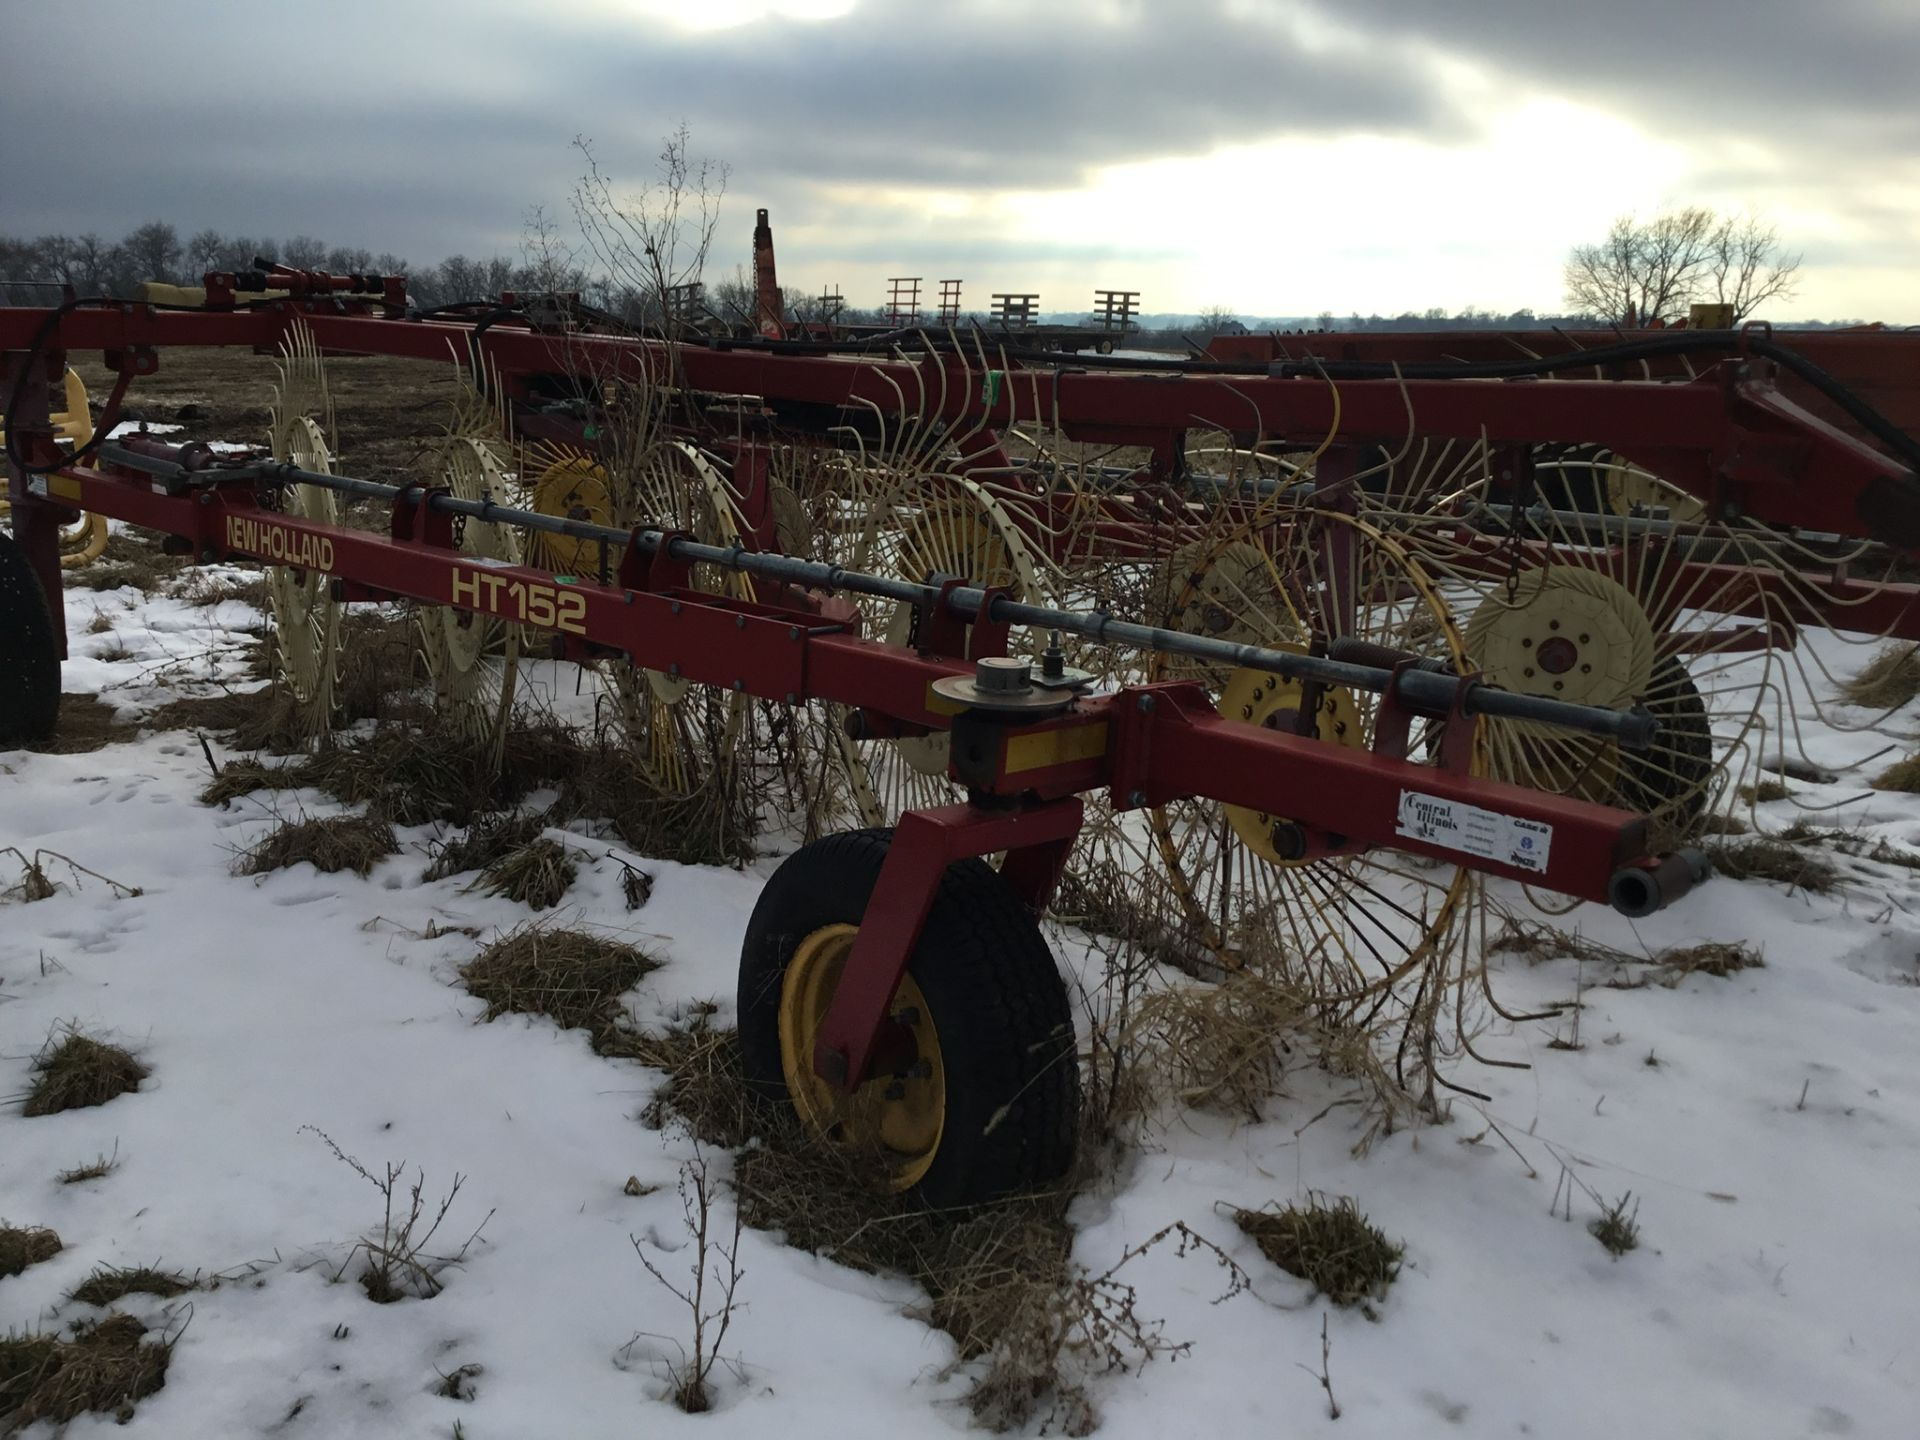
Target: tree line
x,y
31,270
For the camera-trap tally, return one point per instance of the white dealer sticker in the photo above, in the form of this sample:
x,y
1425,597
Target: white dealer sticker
x,y
1486,833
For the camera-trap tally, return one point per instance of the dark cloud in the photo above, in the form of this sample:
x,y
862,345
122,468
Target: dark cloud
x,y
430,126
1788,73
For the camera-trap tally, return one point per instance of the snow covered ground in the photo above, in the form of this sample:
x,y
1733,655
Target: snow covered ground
x,y
1767,1124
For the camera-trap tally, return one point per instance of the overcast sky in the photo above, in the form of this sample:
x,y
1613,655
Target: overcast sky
x,y
1272,156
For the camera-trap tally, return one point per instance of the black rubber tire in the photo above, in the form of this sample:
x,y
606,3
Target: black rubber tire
x,y
1667,781
996,1000
29,659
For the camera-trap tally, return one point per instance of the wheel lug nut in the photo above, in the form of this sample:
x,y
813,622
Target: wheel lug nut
x,y
907,1015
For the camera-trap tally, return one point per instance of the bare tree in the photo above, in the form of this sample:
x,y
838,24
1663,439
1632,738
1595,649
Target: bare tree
x,y
202,250
1747,266
303,252
657,240
1644,271
1214,319
550,266
153,251
1648,272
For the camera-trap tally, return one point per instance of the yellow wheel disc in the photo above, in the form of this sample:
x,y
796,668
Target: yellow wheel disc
x,y
1258,697
1632,490
901,1115
574,488
1570,634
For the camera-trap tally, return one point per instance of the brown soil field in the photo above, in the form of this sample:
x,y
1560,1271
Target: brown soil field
x,y
387,412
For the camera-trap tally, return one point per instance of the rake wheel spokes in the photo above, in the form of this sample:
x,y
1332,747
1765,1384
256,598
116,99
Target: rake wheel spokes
x,y
305,616
1348,930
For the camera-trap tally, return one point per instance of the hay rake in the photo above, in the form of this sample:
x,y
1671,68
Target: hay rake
x,y
1003,597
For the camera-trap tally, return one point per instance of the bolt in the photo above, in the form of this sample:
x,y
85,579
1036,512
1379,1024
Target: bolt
x,y
674,669
1528,672
739,684
1136,797
1553,624
1145,705
1527,644
907,1015
1586,669
739,622
1559,684
673,607
1586,639
1246,712
792,699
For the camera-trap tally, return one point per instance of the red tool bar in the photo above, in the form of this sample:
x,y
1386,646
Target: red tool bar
x,y
1160,743
1727,436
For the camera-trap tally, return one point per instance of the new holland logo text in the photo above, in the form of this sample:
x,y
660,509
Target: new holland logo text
x,y
273,541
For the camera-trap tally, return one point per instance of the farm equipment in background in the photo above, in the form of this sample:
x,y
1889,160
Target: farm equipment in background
x,y
1230,625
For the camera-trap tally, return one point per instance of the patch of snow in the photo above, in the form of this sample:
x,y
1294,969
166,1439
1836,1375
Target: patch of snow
x,y
1768,1125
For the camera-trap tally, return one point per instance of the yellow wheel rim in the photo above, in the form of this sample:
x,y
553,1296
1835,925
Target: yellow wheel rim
x,y
575,488
900,1115
1258,697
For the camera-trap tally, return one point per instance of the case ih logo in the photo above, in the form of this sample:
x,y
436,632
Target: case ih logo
x,y
272,541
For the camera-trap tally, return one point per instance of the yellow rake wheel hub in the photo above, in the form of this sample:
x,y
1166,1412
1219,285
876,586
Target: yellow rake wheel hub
x,y
1570,634
1210,589
1631,490
902,1116
575,488
1259,697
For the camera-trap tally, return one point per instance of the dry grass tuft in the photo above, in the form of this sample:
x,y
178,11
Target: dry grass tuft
x,y
86,723
1332,1246
573,978
257,719
104,1367
74,1071
342,842
1765,857
96,1169
1776,859
1618,1227
1219,1047
109,1283
1888,681
1000,1279
414,773
24,1245
537,874
489,838
711,825
1719,958
706,1086
129,559
1902,775
1764,792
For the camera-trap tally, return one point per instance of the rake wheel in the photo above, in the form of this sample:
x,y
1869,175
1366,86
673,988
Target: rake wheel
x,y
1345,927
934,524
306,617
684,736
473,660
